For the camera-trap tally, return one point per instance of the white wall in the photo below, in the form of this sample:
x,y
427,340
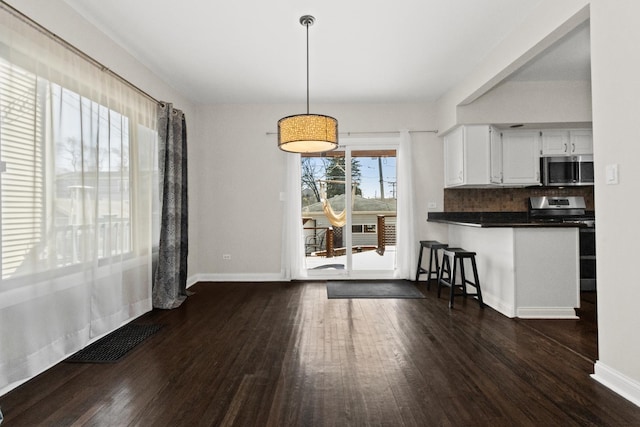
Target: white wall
x,y
531,102
615,59
241,173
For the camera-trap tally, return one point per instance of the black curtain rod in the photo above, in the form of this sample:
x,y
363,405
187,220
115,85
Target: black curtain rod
x,y
24,18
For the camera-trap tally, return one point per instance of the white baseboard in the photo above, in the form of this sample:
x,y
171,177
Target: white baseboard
x,y
256,277
618,382
546,313
192,280
498,305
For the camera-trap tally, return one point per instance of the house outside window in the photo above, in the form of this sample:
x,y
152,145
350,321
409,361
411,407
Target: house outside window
x,y
65,183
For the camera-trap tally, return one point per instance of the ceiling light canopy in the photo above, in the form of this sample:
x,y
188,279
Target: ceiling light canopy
x,y
307,133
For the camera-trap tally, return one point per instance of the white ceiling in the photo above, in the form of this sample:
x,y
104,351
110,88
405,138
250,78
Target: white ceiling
x,y
361,51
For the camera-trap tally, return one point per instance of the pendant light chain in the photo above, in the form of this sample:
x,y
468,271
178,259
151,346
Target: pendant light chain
x,y
307,25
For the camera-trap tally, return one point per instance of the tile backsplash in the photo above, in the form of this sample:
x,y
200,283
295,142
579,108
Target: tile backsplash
x,y
506,199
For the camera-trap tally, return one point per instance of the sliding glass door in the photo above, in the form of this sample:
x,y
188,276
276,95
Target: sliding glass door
x,y
373,219
349,198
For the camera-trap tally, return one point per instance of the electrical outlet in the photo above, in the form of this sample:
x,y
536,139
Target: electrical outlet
x,y
226,257
432,205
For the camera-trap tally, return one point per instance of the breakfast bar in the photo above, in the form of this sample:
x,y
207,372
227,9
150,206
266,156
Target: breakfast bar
x,y
527,269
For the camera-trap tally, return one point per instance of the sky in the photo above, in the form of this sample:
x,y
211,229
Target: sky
x,y
370,176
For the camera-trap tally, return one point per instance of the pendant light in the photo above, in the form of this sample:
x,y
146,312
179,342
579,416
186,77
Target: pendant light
x,y
307,133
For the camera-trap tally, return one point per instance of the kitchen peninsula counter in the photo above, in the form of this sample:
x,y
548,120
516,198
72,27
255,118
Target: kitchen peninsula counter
x,y
526,269
494,219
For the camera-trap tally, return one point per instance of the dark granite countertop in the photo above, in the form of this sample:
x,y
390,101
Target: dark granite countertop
x,y
493,219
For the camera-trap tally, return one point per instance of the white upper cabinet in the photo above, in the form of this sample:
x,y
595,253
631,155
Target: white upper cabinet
x,y
483,156
563,142
555,142
454,158
581,141
467,156
521,157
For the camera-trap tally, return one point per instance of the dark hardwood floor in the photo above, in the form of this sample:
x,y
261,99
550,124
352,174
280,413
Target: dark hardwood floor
x,y
282,354
579,336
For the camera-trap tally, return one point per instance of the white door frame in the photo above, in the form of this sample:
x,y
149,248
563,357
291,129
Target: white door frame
x,y
347,144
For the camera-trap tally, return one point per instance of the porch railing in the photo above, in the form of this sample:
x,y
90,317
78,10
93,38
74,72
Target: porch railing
x,y
321,239
107,237
386,233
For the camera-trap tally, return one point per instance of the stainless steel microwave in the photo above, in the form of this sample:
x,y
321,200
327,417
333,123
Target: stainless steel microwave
x,y
567,170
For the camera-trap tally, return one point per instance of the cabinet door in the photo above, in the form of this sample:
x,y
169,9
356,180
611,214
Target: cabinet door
x,y
555,142
496,156
477,161
521,157
454,158
581,141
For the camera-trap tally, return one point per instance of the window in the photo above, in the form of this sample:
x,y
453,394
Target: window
x,y
78,169
65,190
22,157
363,228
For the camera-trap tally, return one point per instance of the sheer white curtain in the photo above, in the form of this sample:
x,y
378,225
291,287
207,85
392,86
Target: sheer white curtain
x,y
293,247
78,152
407,241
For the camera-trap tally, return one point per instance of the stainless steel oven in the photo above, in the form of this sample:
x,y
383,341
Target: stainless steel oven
x,y
571,209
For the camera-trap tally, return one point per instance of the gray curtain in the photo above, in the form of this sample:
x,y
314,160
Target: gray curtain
x,y
170,281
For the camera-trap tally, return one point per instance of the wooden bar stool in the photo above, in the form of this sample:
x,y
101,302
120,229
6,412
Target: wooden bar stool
x,y
452,259
433,246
